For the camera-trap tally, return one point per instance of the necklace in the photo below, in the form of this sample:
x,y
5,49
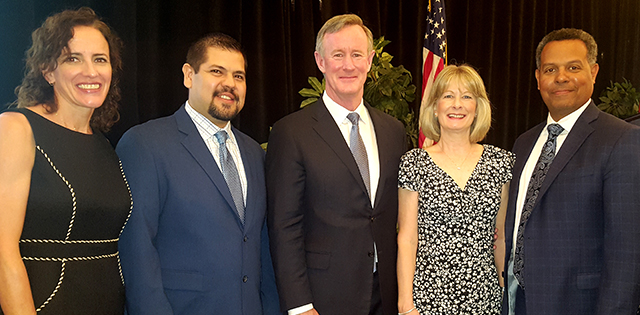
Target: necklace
x,y
454,163
64,123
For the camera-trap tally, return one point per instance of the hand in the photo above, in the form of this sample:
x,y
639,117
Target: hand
x,y
310,312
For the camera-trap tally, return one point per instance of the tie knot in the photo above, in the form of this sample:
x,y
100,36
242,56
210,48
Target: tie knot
x,y
221,136
554,130
354,118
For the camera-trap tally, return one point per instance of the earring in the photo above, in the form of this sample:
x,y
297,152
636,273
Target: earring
x,y
435,114
51,83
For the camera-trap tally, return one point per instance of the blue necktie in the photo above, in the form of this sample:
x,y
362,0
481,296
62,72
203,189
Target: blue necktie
x,y
358,150
230,173
537,178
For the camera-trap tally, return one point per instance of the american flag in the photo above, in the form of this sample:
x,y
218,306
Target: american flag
x,y
434,51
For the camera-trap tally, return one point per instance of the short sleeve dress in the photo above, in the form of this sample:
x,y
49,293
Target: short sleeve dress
x,y
455,269
79,202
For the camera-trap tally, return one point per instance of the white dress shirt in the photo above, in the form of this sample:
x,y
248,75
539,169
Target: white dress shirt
x,y
367,132
207,130
567,123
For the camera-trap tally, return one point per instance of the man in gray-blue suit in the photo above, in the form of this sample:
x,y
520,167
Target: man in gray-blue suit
x,y
196,241
572,235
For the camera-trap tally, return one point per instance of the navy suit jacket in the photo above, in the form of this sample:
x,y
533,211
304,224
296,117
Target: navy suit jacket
x,y
184,249
321,222
582,240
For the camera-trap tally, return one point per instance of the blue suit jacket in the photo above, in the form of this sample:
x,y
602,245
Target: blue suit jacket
x,y
184,249
582,240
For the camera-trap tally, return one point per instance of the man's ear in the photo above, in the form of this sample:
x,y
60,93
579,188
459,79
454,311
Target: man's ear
x,y
537,74
319,61
188,73
594,72
370,59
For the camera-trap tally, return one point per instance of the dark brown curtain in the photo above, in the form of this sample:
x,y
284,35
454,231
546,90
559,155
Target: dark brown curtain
x,y
279,40
497,37
500,38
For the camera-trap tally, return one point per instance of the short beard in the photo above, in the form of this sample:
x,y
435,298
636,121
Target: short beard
x,y
220,115
216,113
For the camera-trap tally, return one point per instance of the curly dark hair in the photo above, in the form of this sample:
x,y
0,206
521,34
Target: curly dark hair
x,y
49,41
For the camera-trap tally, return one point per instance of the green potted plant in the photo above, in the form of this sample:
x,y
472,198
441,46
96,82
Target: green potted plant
x,y
620,99
387,88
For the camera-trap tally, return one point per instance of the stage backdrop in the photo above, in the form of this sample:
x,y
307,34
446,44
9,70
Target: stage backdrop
x,y
496,37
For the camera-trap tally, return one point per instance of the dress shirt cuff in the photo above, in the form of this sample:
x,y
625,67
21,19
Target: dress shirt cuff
x,y
301,309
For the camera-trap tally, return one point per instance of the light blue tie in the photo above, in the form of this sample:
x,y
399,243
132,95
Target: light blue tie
x,y
230,173
358,150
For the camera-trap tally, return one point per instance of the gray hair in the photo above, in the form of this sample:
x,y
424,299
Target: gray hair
x,y
338,22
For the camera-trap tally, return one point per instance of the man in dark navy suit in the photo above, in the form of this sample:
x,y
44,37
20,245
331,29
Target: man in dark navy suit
x,y
572,228
196,242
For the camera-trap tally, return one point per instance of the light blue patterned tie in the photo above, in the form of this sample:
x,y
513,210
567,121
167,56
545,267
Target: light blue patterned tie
x,y
358,150
230,173
537,178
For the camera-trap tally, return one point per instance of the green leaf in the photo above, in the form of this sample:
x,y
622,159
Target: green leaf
x,y
604,107
619,99
386,58
308,101
306,92
316,85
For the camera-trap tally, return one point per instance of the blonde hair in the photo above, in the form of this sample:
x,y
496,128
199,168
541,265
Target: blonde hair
x,y
470,80
338,22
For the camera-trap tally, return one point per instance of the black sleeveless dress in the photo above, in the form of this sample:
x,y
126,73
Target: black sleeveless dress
x,y
79,202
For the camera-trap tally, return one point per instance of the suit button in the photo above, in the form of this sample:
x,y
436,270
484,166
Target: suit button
x,y
370,254
246,238
245,278
373,219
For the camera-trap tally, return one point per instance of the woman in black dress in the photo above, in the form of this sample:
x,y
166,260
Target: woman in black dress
x,y
63,196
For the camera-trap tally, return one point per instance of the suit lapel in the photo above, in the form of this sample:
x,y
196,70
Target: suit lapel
x,y
522,149
251,170
328,130
198,149
384,157
576,137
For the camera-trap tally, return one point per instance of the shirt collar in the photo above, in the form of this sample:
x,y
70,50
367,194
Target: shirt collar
x,y
206,128
568,121
340,113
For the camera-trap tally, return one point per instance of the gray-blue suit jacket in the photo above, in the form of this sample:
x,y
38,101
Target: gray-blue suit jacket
x,y
184,249
582,240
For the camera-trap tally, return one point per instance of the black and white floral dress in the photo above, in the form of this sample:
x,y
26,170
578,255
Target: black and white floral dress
x,y
455,270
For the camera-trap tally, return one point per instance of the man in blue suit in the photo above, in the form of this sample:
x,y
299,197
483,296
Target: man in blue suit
x,y
572,235
196,241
